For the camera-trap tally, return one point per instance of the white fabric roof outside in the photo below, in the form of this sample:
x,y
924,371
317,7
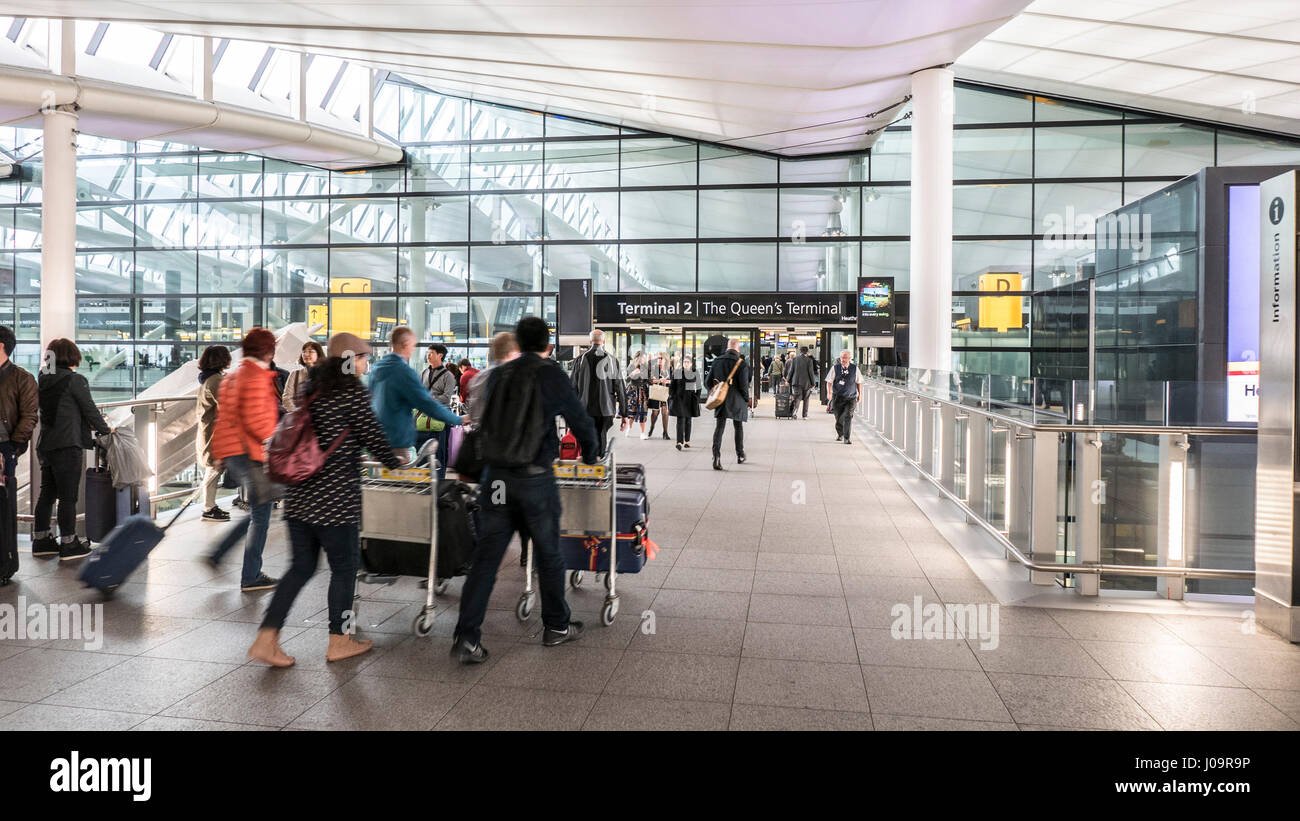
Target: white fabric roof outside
x,y
764,75
1235,62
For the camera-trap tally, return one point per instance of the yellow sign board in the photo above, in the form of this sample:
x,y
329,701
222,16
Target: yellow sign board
x,y
1001,313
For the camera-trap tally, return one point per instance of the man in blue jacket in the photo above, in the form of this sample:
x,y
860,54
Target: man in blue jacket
x,y
397,391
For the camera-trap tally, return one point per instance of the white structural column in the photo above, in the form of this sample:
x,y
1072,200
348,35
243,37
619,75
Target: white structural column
x,y
930,312
59,225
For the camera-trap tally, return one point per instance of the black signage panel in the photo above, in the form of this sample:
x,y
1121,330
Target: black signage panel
x,y
819,308
875,306
573,310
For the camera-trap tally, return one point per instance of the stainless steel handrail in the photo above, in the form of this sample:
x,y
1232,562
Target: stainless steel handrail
x,y
156,400
1085,567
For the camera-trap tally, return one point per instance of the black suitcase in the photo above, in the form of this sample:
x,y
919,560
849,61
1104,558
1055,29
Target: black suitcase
x,y
784,406
390,557
631,474
125,549
8,531
106,505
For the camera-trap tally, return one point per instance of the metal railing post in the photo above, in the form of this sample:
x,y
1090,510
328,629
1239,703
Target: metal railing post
x,y
977,440
1044,516
146,431
1090,493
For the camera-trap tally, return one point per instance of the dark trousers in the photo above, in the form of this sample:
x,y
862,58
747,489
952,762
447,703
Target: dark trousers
x,y
843,408
800,393
341,545
61,471
717,437
9,532
525,504
603,424
683,428
444,437
260,494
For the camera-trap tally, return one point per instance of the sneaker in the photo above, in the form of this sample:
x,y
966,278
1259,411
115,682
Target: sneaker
x,y
839,438
740,458
242,504
46,546
848,441
551,638
645,436
215,514
466,653
262,582
75,549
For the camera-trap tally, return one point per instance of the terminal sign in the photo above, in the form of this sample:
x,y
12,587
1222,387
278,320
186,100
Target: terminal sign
x,y
686,308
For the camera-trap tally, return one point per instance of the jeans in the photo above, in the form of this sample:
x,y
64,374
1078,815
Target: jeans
x,y
683,429
259,492
843,408
529,504
342,550
61,471
717,437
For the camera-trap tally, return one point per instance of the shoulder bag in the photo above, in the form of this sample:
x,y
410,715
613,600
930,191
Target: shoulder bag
x,y
719,393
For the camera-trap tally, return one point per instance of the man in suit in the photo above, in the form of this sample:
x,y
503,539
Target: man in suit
x,y
802,375
737,405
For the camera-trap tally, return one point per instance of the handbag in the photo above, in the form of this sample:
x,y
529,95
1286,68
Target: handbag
x,y
424,423
294,455
659,393
719,393
468,463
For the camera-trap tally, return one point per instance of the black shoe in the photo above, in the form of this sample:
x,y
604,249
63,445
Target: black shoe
x,y
848,441
679,445
47,546
839,438
551,638
717,464
242,505
262,582
740,458
75,549
212,562
215,514
665,436
463,652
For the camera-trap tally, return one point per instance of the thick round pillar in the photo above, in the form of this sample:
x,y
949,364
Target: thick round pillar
x,y
930,309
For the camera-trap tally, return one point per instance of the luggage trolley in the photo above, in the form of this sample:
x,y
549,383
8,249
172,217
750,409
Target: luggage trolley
x,y
588,499
389,512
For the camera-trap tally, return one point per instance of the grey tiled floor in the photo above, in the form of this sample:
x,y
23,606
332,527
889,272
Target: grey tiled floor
x,y
771,598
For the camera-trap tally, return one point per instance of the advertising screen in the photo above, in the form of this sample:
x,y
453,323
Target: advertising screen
x,y
875,306
1243,303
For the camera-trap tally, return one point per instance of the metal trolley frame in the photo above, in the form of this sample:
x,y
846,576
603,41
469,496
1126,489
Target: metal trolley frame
x,y
589,507
387,514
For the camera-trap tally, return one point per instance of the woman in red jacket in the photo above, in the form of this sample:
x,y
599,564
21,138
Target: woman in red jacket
x,y
248,408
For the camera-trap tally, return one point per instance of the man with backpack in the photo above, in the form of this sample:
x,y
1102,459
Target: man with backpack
x,y
520,400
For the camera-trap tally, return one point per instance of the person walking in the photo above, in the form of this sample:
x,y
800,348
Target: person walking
x,y
308,358
777,371
637,384
660,373
844,387
501,349
518,488
467,374
599,386
731,368
802,375
19,411
212,368
396,391
67,415
248,409
684,399
324,512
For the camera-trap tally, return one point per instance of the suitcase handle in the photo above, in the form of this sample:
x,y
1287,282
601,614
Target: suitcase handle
x,y
193,498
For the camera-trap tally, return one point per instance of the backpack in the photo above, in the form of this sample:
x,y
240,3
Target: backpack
x,y
294,454
512,425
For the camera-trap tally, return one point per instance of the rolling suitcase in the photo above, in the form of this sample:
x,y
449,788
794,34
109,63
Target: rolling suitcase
x,y
784,401
125,549
631,474
105,505
592,552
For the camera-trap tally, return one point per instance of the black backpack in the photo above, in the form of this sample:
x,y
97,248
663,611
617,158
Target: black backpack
x,y
512,426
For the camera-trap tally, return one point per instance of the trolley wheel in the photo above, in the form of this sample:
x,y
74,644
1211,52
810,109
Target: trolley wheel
x,y
440,586
525,607
608,612
423,624
575,579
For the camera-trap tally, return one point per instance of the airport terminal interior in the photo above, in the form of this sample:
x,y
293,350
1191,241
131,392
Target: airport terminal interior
x,y
1054,245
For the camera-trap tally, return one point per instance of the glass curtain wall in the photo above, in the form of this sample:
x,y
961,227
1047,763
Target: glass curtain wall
x,y
179,248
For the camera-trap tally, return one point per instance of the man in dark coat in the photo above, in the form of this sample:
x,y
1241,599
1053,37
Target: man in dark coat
x,y
802,374
736,407
599,384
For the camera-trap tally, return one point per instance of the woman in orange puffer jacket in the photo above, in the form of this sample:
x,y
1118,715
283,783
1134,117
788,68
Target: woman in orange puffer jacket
x,y
247,412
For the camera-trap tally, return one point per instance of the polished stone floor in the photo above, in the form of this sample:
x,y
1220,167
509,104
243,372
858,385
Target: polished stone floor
x,y
771,603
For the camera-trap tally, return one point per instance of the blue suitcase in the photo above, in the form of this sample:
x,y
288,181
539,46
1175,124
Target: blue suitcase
x,y
125,549
592,553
